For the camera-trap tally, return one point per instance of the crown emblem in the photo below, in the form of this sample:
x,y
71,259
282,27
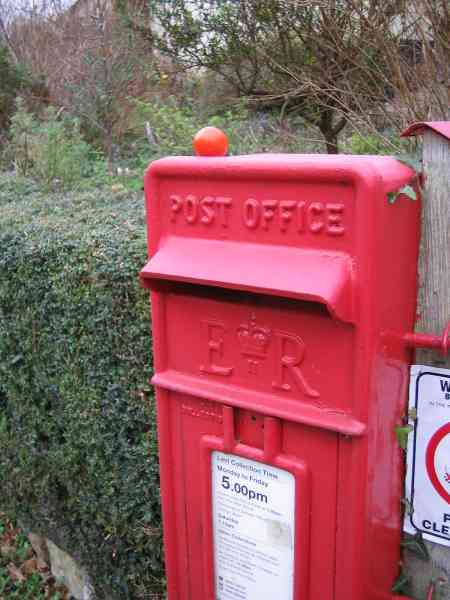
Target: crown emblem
x,y
253,339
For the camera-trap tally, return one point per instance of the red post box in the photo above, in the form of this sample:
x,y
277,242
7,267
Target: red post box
x,y
281,287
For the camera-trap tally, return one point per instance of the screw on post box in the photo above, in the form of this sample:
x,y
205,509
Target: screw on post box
x,y
210,141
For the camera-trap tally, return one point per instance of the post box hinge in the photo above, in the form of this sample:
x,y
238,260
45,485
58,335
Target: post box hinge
x,y
426,340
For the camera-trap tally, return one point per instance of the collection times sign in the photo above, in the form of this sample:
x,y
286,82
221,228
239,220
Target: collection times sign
x,y
253,516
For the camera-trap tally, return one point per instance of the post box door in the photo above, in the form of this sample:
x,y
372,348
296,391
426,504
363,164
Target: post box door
x,y
214,533
285,422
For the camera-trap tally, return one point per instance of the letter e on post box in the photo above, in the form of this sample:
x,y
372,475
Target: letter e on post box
x,y
273,281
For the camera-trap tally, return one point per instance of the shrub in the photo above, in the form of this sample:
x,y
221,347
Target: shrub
x,y
51,149
62,154
78,461
14,78
371,143
22,139
174,126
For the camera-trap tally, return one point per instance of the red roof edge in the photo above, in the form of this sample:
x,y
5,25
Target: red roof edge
x,y
441,127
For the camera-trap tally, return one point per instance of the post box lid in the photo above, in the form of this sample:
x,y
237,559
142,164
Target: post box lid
x,y
387,170
299,273
318,268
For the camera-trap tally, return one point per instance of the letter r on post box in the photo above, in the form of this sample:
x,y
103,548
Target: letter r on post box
x,y
291,352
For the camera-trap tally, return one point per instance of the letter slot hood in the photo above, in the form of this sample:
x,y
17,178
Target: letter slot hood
x,y
311,275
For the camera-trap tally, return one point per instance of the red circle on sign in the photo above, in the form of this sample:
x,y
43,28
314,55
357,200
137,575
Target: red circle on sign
x,y
436,439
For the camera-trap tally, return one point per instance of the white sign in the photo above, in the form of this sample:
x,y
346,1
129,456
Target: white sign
x,y
253,524
428,458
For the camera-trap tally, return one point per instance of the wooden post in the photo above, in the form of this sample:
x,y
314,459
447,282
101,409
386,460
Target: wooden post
x,y
433,315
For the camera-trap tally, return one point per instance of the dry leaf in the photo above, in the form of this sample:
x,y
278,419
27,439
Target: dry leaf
x,y
63,592
10,535
6,550
15,573
51,590
29,566
42,566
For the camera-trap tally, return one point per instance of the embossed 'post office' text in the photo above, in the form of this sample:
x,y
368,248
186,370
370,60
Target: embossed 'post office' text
x,y
314,217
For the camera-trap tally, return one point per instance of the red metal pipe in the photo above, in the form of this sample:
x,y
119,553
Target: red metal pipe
x,y
425,340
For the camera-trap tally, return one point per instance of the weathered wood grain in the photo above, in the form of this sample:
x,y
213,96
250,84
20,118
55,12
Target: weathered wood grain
x,y
434,312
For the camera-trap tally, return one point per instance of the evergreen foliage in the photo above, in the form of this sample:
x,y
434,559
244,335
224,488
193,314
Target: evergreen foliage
x,y
51,149
77,429
13,78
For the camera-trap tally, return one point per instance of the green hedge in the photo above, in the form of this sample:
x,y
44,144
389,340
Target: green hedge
x,y
78,456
